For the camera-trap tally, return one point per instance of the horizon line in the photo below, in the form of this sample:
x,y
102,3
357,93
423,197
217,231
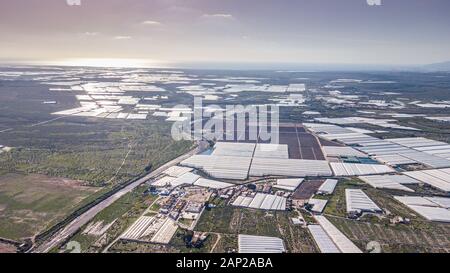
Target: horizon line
x,y
219,65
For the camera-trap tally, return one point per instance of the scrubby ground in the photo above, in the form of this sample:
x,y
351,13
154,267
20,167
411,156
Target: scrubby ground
x,y
30,203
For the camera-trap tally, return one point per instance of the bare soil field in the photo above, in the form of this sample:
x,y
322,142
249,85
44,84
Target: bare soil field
x,y
307,189
7,248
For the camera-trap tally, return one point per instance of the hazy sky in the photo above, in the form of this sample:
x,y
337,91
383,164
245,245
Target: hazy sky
x,y
257,31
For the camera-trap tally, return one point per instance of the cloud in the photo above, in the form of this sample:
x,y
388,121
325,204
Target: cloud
x,y
91,33
152,23
122,37
219,16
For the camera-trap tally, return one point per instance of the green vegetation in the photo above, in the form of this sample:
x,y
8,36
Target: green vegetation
x,y
336,205
123,213
179,243
234,221
96,153
227,243
417,236
99,154
31,203
399,238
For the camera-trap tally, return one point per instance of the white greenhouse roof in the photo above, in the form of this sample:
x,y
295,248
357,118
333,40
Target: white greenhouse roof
x,y
339,239
226,167
415,201
185,179
350,169
289,167
341,151
213,184
234,149
177,171
288,184
328,186
272,151
318,205
390,181
439,179
260,244
323,241
261,201
358,201
432,213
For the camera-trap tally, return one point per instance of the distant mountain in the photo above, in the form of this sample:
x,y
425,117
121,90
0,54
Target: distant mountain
x,y
444,66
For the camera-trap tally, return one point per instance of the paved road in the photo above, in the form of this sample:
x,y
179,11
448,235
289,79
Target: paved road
x,y
83,219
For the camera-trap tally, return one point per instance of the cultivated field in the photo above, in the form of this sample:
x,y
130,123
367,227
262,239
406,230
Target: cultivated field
x,y
302,145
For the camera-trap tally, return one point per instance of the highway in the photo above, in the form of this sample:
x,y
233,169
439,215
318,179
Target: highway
x,y
62,235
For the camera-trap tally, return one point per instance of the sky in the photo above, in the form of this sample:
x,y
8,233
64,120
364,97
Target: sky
x,y
171,32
